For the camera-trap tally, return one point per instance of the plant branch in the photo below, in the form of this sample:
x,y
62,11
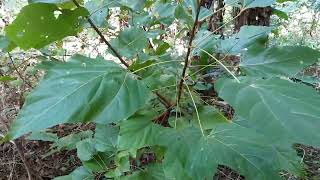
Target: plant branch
x,y
162,99
103,38
19,74
186,62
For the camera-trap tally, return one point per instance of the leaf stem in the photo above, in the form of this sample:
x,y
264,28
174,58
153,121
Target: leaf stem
x,y
103,38
186,62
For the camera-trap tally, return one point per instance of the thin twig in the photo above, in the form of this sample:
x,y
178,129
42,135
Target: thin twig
x,y
103,38
19,74
186,62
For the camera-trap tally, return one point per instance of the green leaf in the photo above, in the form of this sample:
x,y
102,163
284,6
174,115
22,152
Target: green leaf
x,y
48,1
106,138
250,3
86,149
130,42
81,173
280,14
69,142
43,136
278,61
277,108
209,116
164,11
248,36
99,162
231,145
80,90
64,4
40,24
7,78
135,5
204,13
138,132
4,42
153,171
190,155
207,41
98,10
181,14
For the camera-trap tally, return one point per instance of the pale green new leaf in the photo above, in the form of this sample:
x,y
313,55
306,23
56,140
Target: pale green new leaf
x,y
277,108
80,90
7,78
278,61
40,24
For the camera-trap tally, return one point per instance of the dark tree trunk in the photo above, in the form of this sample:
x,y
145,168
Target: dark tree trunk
x,y
253,16
216,20
207,3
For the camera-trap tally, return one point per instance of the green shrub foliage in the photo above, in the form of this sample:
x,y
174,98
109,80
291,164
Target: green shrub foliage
x,y
137,111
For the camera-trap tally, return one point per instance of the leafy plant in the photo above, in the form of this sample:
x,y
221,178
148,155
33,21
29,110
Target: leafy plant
x,y
149,106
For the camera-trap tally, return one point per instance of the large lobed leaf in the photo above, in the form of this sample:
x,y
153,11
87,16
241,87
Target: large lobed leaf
x,y
278,61
248,36
190,155
285,112
80,90
40,24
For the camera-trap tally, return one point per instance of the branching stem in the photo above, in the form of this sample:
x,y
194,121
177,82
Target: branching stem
x,y
103,38
186,62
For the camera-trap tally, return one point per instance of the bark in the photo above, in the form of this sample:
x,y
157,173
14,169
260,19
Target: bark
x,y
216,20
207,3
253,16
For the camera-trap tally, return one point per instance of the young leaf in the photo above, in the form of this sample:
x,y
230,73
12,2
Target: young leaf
x,y
80,90
278,61
40,24
7,78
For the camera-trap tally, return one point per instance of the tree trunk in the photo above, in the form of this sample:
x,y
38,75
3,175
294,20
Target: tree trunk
x,y
216,20
253,16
